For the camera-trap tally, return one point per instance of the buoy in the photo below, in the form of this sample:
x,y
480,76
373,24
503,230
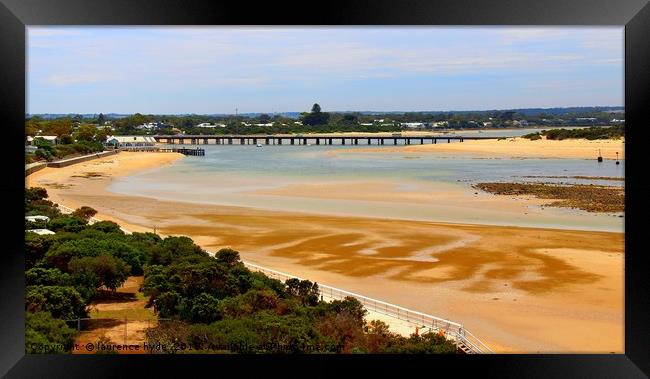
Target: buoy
x,y
600,157
617,162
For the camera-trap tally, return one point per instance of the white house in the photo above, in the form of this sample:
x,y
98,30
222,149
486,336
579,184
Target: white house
x,y
412,124
131,141
439,124
149,125
366,123
52,139
208,125
617,121
267,124
37,218
41,231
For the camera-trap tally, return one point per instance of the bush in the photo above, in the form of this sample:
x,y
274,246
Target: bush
x,y
106,227
532,136
47,277
66,139
45,334
84,212
44,154
592,133
63,302
35,193
203,309
105,270
67,223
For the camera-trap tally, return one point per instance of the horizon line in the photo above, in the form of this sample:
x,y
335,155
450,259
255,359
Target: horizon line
x,y
332,111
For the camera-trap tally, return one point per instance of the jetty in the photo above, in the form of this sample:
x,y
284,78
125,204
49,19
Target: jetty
x,y
197,152
311,139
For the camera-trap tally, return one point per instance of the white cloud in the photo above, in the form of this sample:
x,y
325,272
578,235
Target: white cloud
x,y
70,79
233,82
44,32
523,34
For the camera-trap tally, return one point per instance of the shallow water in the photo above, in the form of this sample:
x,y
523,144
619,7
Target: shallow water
x,y
229,175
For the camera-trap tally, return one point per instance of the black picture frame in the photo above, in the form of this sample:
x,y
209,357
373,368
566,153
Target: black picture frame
x,y
633,14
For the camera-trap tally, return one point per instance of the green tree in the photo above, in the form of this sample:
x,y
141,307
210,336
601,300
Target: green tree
x,y
264,118
228,256
35,193
204,309
47,277
66,139
102,134
305,290
84,212
85,133
63,302
315,117
67,223
107,270
45,334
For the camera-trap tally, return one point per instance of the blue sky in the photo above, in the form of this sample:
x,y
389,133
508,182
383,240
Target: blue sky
x,y
270,69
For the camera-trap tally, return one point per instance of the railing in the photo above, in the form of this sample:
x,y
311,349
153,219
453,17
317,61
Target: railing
x,y
452,330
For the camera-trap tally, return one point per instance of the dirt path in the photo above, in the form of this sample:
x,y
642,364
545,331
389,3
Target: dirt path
x,y
119,320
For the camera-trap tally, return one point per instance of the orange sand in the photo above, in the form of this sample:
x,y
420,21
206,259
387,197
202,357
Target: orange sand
x,y
513,147
518,289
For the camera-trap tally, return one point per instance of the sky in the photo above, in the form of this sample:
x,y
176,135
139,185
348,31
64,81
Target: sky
x,y
206,70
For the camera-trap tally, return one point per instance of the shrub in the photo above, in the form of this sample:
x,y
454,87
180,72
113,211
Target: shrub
x,y
45,334
63,302
84,212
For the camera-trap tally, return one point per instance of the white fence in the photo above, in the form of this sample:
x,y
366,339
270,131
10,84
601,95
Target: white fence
x,y
452,330
455,331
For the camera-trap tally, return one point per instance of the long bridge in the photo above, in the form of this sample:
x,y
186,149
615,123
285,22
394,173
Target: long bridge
x,y
310,139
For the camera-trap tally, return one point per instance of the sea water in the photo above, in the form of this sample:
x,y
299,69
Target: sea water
x,y
239,176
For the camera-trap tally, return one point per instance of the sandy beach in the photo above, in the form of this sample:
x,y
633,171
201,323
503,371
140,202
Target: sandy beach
x,y
514,148
518,289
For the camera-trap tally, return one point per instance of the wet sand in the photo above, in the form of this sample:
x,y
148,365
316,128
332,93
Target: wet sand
x,y
513,148
518,289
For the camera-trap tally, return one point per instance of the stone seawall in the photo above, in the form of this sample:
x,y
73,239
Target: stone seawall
x,y
71,161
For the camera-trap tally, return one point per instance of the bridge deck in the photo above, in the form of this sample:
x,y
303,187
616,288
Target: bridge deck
x,y
318,139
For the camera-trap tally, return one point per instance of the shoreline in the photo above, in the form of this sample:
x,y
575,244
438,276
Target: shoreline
x,y
454,271
514,147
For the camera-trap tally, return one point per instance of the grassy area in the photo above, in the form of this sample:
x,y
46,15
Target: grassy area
x,y
136,313
591,198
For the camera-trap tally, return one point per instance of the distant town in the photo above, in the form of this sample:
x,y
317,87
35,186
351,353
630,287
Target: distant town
x,y
320,122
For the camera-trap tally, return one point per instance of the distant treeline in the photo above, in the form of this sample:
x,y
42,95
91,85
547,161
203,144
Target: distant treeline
x,y
558,111
593,133
214,304
320,122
